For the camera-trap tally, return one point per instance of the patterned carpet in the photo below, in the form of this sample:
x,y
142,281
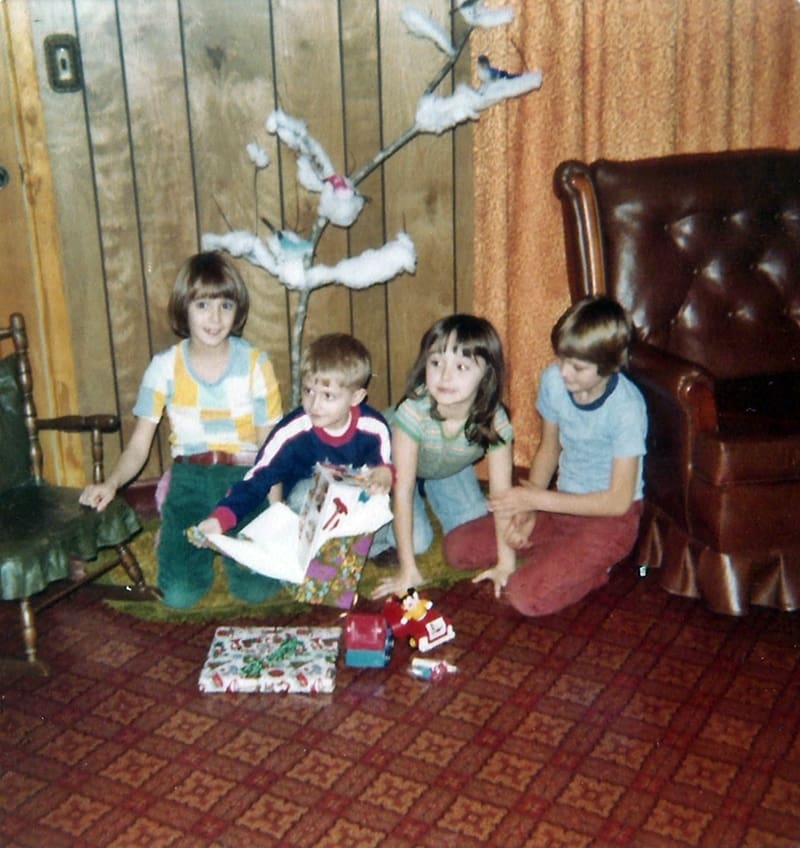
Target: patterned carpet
x,y
632,719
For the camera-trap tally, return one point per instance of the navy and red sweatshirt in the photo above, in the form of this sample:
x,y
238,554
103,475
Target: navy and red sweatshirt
x,y
292,450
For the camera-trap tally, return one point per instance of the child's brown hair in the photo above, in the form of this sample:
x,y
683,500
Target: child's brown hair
x,y
477,339
211,275
596,329
340,356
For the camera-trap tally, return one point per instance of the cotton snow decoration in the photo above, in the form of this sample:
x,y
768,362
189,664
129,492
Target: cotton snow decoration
x,y
425,27
308,176
435,113
289,256
258,156
339,202
478,15
372,266
245,245
294,134
495,91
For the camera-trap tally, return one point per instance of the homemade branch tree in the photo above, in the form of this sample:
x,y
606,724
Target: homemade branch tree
x,y
290,256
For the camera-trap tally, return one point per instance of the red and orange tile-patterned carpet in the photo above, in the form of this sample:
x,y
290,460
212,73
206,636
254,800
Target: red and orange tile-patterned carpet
x,y
631,719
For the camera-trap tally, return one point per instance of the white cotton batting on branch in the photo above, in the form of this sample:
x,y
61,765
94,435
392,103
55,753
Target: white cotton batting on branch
x,y
294,134
292,273
424,26
291,131
307,175
258,156
478,15
289,256
436,114
373,266
502,89
339,202
245,244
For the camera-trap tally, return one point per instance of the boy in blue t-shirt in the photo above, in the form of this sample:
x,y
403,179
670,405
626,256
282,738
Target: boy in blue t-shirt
x,y
594,424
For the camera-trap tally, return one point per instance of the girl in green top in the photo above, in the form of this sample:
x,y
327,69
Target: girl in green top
x,y
450,417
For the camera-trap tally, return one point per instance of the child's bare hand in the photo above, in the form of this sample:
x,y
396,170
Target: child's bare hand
x,y
498,575
209,525
397,584
195,537
378,480
519,529
198,534
508,503
98,495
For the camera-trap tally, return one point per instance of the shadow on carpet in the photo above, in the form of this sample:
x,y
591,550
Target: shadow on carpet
x,y
219,604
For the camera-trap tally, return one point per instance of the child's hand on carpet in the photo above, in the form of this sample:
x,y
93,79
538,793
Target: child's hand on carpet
x,y
498,576
397,585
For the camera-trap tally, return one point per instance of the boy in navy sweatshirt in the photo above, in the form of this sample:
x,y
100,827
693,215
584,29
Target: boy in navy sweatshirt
x,y
333,425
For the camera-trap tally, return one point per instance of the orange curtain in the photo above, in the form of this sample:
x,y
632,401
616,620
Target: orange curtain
x,y
622,79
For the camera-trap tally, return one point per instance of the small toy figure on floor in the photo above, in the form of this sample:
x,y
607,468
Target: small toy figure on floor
x,y
414,618
433,670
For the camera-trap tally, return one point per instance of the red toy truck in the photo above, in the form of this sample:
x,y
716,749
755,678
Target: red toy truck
x,y
414,618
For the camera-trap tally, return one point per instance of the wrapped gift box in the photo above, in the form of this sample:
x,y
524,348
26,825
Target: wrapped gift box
x,y
334,571
272,659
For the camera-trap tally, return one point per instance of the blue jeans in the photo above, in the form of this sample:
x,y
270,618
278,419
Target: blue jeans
x,y
454,501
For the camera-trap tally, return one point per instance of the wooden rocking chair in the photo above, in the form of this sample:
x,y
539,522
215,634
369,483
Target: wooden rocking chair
x,y
46,536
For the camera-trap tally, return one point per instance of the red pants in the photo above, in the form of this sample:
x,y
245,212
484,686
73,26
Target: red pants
x,y
568,556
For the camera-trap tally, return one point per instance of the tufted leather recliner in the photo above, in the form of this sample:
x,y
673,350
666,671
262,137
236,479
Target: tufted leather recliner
x,y
703,250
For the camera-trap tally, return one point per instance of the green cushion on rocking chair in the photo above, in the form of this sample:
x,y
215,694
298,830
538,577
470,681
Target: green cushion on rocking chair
x,y
43,527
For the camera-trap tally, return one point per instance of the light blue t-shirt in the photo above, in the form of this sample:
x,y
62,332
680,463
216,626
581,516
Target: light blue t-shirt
x,y
592,436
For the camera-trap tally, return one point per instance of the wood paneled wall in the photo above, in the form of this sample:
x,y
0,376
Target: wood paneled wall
x,y
29,242
151,154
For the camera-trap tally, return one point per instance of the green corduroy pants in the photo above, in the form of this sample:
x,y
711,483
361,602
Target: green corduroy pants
x,y
185,573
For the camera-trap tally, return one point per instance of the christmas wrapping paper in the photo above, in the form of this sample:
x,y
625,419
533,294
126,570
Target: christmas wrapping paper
x,y
272,659
334,571
323,550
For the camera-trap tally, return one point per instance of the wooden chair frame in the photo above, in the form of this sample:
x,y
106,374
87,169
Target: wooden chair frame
x,y
97,426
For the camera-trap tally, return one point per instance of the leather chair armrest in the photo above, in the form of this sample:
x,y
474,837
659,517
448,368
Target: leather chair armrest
x,y
670,377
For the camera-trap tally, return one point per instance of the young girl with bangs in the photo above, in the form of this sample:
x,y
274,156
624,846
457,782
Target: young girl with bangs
x,y
450,417
594,424
221,397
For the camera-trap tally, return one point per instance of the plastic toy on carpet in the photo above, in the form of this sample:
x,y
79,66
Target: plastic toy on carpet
x,y
413,617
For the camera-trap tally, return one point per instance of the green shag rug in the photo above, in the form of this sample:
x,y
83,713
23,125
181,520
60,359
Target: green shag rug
x,y
219,604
